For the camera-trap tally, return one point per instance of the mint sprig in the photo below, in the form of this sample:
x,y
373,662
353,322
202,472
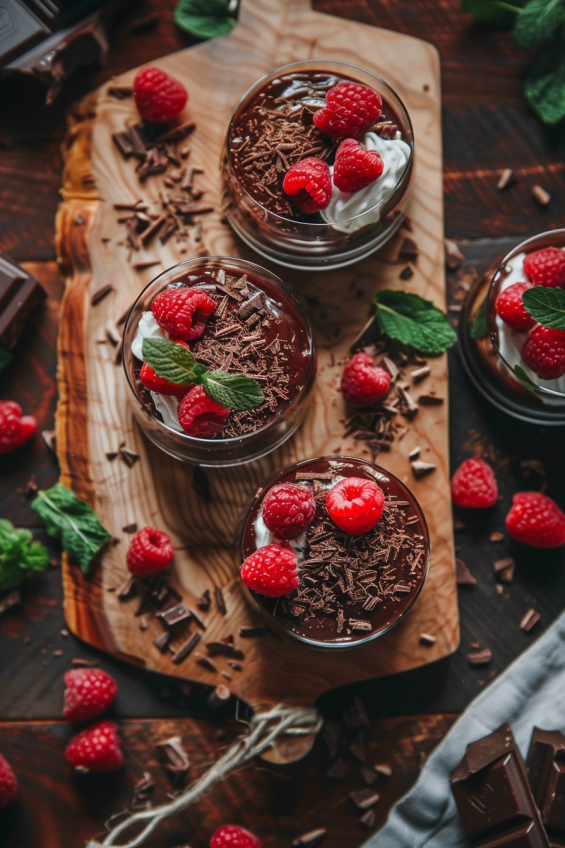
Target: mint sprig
x,y
206,18
546,306
172,362
234,391
414,322
19,556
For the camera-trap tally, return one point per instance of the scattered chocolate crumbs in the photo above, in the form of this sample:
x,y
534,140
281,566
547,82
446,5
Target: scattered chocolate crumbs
x,y
310,839
480,657
338,770
464,576
331,734
182,653
128,456
408,250
111,455
368,775
383,769
529,620
162,641
496,536
251,632
12,599
421,468
130,528
427,639
504,569
355,714
453,256
364,798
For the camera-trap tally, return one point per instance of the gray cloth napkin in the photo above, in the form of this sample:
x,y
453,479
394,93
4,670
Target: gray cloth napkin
x,y
531,692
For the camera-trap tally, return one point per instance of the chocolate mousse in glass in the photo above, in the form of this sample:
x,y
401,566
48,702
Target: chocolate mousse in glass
x,y
256,328
368,582
492,350
272,129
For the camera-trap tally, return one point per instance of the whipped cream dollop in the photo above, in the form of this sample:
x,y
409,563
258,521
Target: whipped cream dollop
x,y
345,207
167,405
511,342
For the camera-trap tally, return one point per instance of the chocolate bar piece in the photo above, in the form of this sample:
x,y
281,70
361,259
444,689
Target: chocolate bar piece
x,y
20,293
546,773
491,790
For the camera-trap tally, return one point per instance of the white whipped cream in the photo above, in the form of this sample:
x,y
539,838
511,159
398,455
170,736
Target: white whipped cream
x,y
511,342
345,207
167,405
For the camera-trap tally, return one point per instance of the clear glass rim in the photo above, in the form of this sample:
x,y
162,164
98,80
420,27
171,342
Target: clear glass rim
x,y
315,62
259,272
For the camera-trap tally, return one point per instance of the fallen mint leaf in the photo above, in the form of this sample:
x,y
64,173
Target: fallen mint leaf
x,y
537,22
73,522
546,306
171,361
206,18
19,556
233,391
413,321
545,84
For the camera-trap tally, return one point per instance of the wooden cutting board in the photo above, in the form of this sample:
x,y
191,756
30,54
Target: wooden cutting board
x,y
94,414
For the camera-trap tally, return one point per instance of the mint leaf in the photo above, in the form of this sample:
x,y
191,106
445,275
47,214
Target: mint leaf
x,y
479,324
546,306
537,22
415,322
545,84
234,391
172,362
492,11
526,381
73,522
19,556
206,18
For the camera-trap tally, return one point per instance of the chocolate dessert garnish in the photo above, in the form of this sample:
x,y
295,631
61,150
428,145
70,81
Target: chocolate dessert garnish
x,y
216,649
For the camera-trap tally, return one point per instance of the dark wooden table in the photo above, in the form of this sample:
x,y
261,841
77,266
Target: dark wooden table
x,y
486,127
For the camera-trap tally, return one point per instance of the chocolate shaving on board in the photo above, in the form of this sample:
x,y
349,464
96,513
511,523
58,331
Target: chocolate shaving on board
x,y
529,620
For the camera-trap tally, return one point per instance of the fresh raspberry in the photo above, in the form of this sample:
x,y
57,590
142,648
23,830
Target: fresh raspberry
x,y
474,485
309,185
96,749
362,383
89,693
546,267
158,97
183,312
201,416
536,520
356,168
271,571
8,784
288,510
510,307
15,430
233,836
350,110
355,505
155,383
150,551
544,352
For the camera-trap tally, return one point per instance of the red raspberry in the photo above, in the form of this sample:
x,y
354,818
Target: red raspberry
x,y
150,551
288,510
510,307
544,353
15,430
201,416
155,383
271,571
536,520
362,383
233,836
8,784
89,693
546,267
96,749
355,505
474,485
183,312
355,168
350,110
158,97
309,184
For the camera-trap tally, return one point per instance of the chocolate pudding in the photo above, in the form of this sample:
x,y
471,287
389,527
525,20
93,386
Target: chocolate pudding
x,y
352,588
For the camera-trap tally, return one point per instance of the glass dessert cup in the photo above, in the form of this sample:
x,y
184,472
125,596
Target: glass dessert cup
x,y
297,242
490,349
290,412
410,566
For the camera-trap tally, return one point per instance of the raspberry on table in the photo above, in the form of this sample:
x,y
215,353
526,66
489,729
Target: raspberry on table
x,y
201,416
150,551
474,485
355,505
8,784
362,383
351,109
510,307
183,312
233,836
544,352
288,510
96,749
308,183
15,429
546,267
89,693
536,520
355,168
271,570
159,98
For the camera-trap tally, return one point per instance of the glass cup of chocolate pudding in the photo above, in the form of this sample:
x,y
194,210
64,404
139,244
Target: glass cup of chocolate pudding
x,y
495,353
254,327
368,582
272,128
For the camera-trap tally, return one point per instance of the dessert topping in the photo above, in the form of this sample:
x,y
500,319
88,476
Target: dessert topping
x,y
351,109
15,429
8,784
355,505
158,97
150,551
155,383
474,485
536,520
546,267
89,693
201,416
355,168
183,312
271,571
510,307
309,184
362,384
288,510
233,836
544,352
96,749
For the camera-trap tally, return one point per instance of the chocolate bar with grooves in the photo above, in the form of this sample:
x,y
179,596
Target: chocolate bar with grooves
x,y
546,773
491,790
20,294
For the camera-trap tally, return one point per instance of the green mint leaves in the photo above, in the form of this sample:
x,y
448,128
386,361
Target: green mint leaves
x,y
546,306
413,321
19,556
73,522
493,11
173,362
206,18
